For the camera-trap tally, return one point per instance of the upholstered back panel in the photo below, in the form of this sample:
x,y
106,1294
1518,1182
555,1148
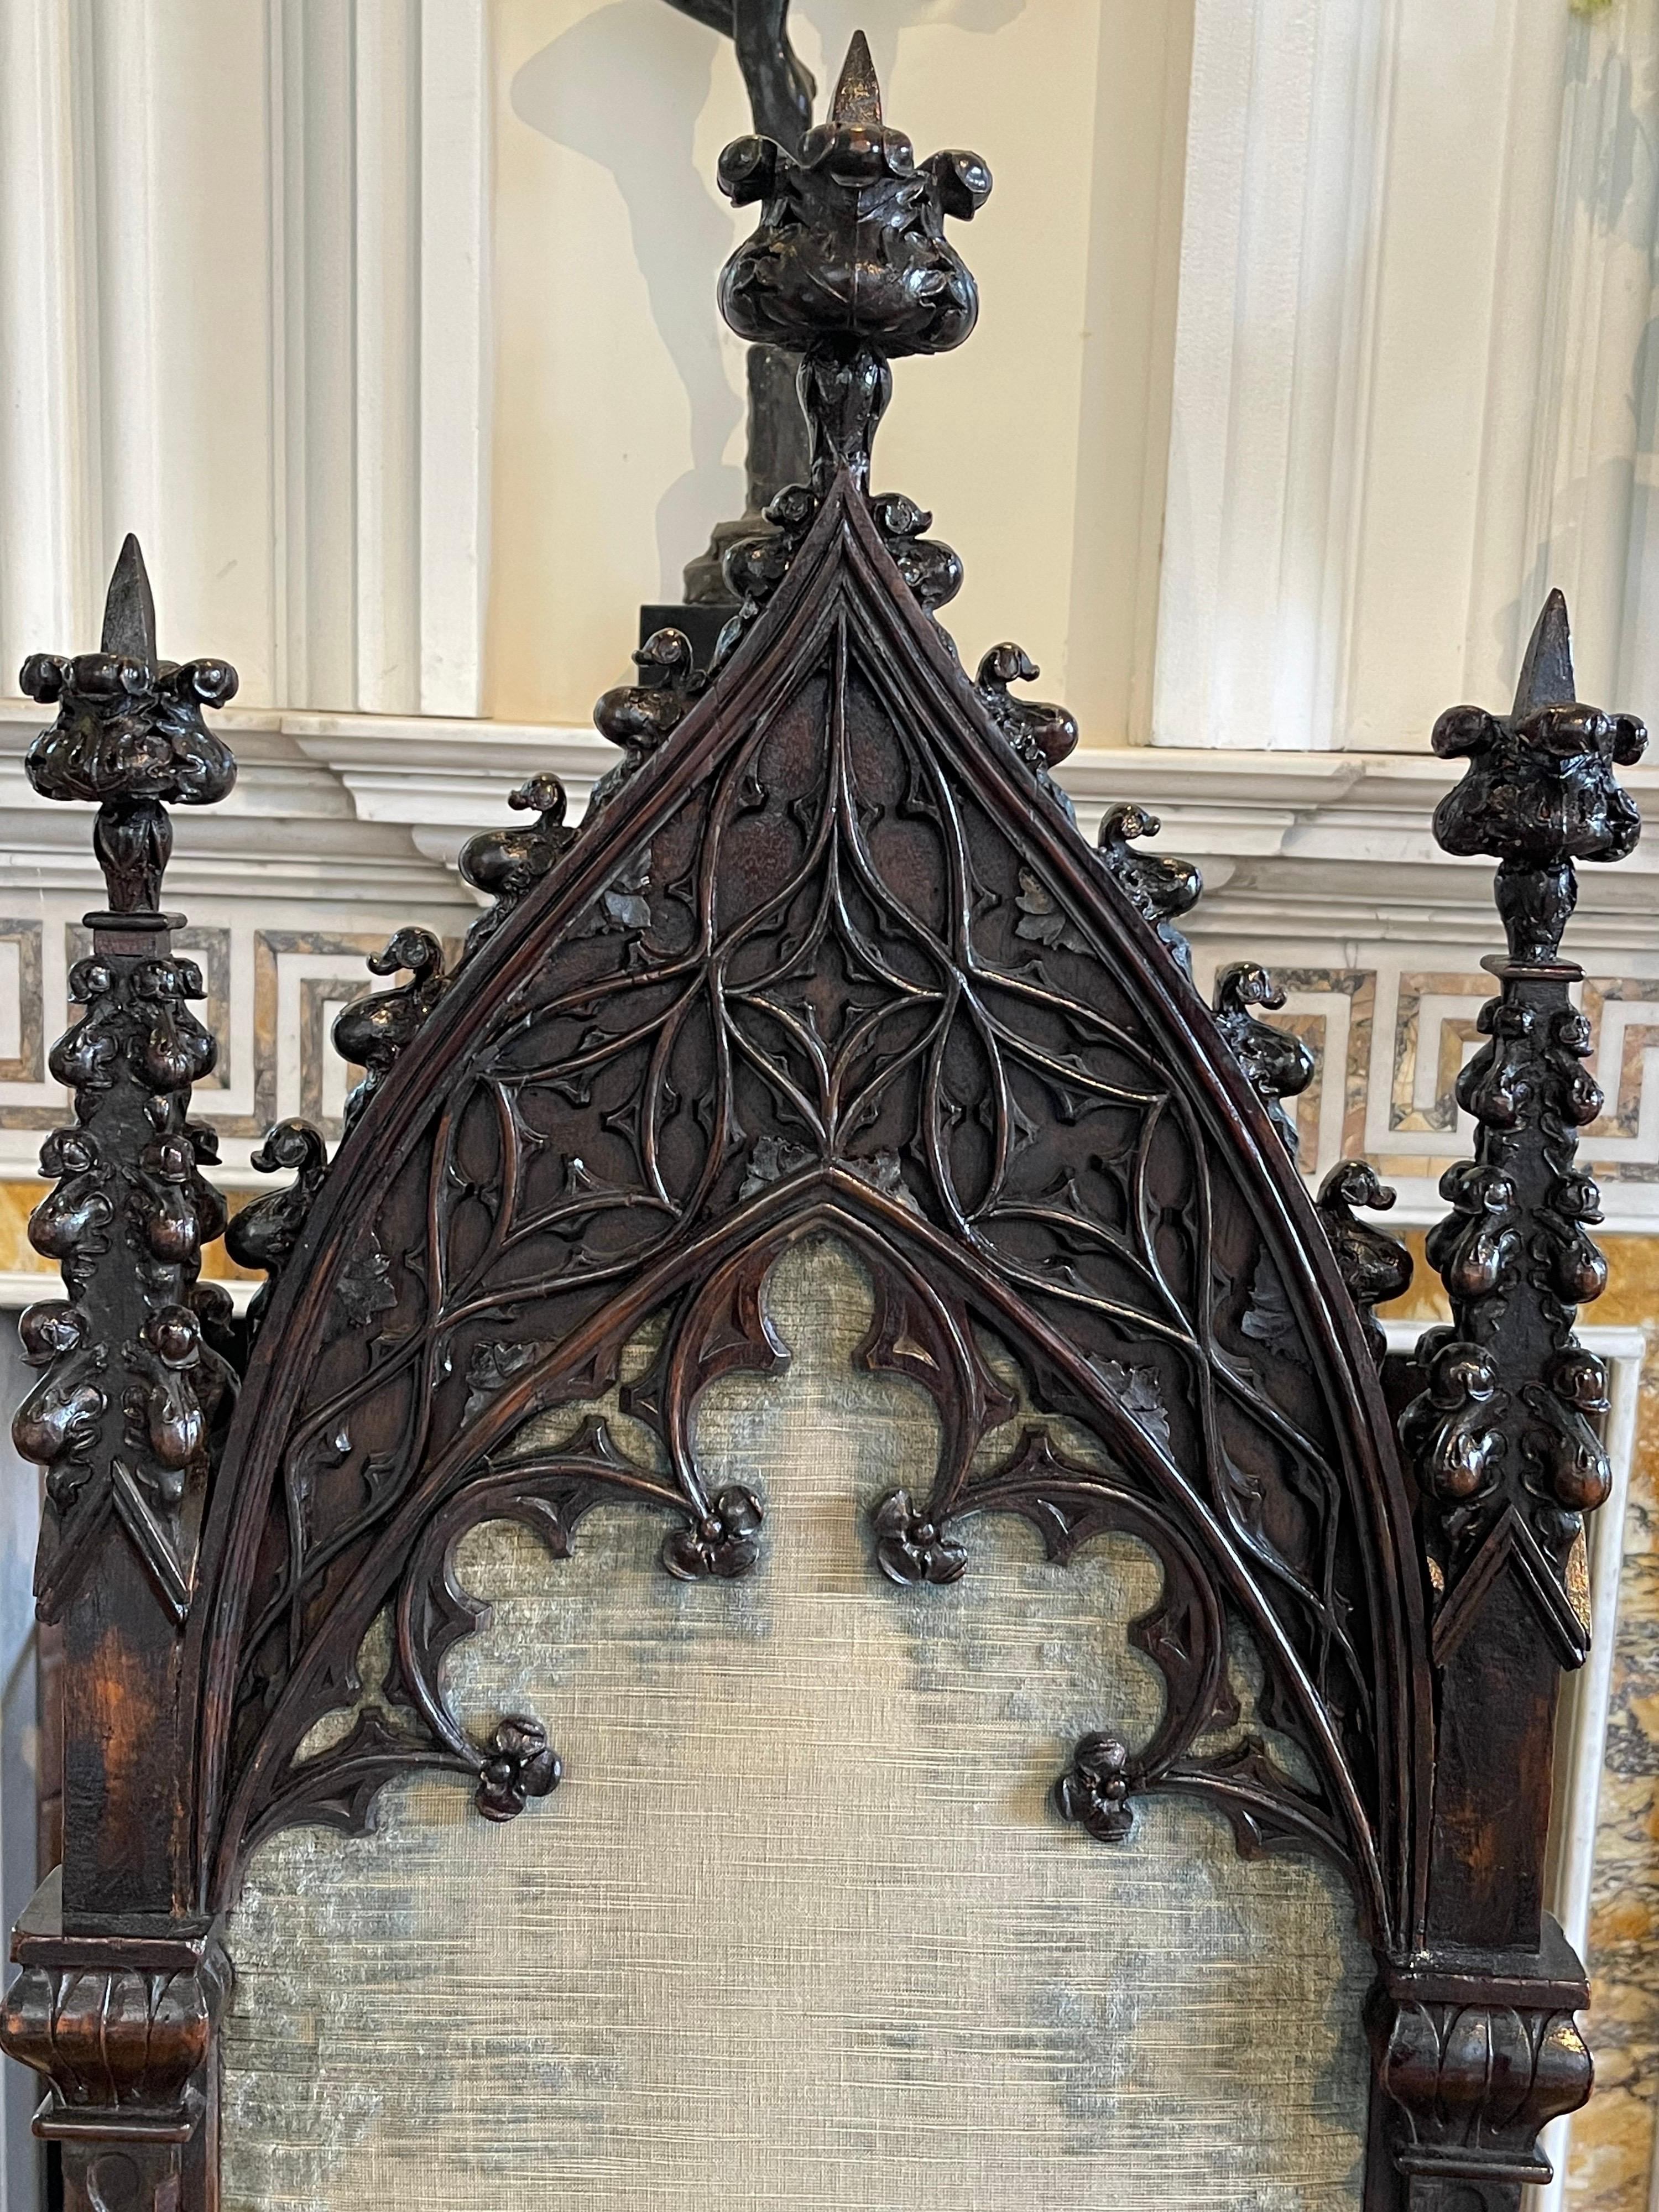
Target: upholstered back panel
x,y
799,1928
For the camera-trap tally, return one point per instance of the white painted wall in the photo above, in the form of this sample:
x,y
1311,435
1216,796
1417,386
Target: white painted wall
x,y
1414,373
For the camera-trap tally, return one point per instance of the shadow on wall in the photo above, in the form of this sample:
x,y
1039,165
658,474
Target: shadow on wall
x,y
625,87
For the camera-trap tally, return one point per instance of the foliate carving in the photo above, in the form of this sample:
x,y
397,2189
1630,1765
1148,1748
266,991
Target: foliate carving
x,y
911,1548
1041,735
1375,1266
1278,1063
1540,792
1159,888
507,864
1452,1430
1094,1791
263,1235
849,990
120,2028
1475,2063
850,250
371,1032
520,1764
724,1542
134,1399
931,570
59,1423
1476,1249
130,737
1508,1472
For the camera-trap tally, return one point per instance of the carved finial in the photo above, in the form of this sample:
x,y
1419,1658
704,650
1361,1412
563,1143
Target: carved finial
x,y
858,94
850,265
1540,794
131,1412
130,737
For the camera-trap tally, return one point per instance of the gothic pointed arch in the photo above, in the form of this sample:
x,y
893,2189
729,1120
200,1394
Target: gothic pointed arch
x,y
828,953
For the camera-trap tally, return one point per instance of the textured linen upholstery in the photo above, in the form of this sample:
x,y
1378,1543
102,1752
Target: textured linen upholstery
x,y
799,1930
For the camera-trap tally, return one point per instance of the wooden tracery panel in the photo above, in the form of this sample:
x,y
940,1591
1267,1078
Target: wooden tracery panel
x,y
828,959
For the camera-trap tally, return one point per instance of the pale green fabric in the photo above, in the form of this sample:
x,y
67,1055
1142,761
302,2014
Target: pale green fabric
x,y
799,1930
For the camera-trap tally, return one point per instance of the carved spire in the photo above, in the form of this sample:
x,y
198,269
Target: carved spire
x,y
1504,1438
850,266
132,1394
1504,1435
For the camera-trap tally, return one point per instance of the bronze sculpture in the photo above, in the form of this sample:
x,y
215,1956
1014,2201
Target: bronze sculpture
x,y
781,89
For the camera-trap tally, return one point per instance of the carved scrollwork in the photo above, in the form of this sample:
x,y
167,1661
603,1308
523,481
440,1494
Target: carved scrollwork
x,y
372,1032
1278,1063
1376,1267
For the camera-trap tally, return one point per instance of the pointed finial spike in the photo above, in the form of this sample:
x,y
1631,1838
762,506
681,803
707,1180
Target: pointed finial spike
x,y
858,94
130,608
1546,672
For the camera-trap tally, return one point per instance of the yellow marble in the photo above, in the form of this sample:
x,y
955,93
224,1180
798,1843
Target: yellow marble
x,y
19,1257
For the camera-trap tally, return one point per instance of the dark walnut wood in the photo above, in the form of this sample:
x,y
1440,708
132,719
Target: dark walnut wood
x,y
827,955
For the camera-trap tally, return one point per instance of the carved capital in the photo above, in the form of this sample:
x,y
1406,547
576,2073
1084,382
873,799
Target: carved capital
x,y
120,2028
1475,2059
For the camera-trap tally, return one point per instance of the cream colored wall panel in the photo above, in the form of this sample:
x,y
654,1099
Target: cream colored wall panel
x,y
45,453
1471,162
618,399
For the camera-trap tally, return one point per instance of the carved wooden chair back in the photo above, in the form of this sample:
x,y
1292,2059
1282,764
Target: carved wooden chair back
x,y
827,964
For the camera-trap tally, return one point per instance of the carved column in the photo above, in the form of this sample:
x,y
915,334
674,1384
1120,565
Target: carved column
x,y
123,1980
1475,2042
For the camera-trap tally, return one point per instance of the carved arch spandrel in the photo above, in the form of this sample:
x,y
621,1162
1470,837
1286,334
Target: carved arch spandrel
x,y
952,925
